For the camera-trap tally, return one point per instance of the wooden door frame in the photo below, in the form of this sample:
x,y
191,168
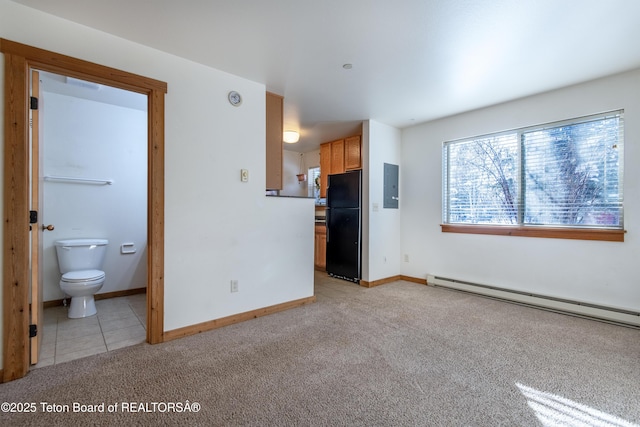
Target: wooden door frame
x,y
18,59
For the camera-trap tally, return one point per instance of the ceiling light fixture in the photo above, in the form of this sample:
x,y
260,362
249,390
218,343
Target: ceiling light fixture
x,y
291,136
347,66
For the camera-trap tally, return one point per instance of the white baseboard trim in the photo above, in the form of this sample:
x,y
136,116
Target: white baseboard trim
x,y
609,314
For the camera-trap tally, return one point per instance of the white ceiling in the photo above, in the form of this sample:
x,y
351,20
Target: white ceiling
x,y
413,60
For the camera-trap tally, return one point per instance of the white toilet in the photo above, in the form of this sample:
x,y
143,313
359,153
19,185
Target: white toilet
x,y
80,261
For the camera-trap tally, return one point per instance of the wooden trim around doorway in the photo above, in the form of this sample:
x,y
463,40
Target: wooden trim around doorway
x,y
18,59
15,253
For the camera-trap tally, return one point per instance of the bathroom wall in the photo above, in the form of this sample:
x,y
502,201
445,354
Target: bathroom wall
x,y
90,139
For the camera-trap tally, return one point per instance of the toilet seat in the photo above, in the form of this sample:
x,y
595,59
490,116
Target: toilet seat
x,y
82,276
81,286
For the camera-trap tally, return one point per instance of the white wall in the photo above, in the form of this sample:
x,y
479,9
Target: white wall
x,y
312,159
381,236
88,139
292,166
597,272
216,227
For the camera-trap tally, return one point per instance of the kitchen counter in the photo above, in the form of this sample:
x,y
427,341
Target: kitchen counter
x,y
289,197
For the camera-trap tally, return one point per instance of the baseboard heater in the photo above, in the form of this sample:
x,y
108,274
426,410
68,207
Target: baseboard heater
x,y
609,314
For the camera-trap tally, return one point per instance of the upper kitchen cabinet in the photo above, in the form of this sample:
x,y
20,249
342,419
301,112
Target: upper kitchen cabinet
x,y
352,155
337,157
274,129
331,161
325,165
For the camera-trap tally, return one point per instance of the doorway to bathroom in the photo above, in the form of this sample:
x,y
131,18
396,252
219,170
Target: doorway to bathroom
x,y
92,184
17,322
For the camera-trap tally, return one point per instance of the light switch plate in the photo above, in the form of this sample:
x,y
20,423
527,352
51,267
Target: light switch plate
x,y
244,175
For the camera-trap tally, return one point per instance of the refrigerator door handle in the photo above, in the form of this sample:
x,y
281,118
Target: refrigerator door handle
x,y
327,222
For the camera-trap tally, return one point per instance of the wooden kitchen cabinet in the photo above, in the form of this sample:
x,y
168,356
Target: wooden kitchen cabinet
x,y
274,127
352,153
337,157
320,254
325,166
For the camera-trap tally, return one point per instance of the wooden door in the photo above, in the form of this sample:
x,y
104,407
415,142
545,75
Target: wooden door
x,y
36,229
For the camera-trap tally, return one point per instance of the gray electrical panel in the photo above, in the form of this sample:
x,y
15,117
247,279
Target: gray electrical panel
x,y
390,200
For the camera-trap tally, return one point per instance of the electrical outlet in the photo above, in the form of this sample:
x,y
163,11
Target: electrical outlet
x,y
406,257
234,286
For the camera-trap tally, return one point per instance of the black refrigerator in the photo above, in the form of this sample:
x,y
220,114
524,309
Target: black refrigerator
x,y
344,195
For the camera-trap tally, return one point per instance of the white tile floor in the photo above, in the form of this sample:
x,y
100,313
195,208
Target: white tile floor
x,y
120,322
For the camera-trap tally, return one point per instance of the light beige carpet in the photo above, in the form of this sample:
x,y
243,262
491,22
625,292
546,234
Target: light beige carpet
x,y
401,354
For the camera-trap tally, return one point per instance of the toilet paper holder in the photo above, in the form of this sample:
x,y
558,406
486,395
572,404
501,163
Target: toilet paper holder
x,y
128,248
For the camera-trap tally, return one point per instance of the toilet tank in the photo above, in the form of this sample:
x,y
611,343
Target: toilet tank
x,y
80,254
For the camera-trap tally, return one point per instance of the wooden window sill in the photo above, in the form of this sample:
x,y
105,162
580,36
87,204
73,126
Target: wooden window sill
x,y
536,231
